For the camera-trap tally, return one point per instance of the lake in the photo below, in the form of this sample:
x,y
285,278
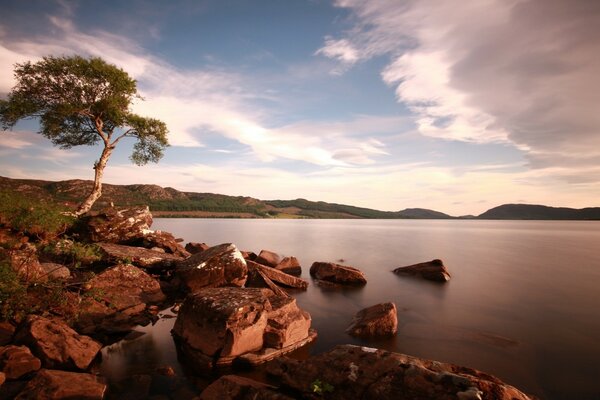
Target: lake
x,y
523,302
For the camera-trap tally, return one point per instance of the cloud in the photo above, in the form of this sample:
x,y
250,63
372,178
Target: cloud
x,y
524,72
13,140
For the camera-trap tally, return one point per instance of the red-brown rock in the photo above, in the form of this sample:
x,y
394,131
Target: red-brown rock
x,y
138,256
233,387
432,270
7,330
268,258
62,385
377,320
249,255
342,274
57,345
118,225
56,271
16,361
279,277
195,248
221,265
2,378
162,240
24,261
354,372
290,265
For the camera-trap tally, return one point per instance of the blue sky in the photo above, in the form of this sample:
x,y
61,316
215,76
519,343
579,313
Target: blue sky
x,y
387,104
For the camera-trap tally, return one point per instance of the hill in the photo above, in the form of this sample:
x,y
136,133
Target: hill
x,y
539,212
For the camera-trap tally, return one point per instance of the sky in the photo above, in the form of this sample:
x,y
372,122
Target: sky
x,y
388,104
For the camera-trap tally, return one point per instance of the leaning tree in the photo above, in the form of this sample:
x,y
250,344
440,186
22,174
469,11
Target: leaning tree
x,y
83,101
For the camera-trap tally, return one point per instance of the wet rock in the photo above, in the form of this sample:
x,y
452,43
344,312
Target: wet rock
x,y
54,385
117,225
354,372
279,277
138,256
232,387
56,271
290,265
56,344
195,248
342,274
377,320
16,361
7,330
216,325
268,258
221,265
432,270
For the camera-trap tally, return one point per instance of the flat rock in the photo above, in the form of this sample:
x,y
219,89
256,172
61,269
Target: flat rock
x,y
221,265
268,258
195,248
377,320
290,265
233,387
354,372
56,271
16,361
279,277
433,270
138,256
54,385
336,273
56,344
117,225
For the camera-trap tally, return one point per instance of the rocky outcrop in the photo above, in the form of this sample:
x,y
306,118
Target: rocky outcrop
x,y
16,361
353,372
233,387
138,256
377,320
268,258
56,271
432,270
290,265
195,248
217,325
54,385
336,273
221,265
56,344
117,225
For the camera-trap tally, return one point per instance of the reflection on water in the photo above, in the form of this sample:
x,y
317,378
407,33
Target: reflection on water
x,y
522,303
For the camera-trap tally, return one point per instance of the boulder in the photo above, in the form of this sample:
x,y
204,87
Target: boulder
x,y
433,270
7,330
195,248
162,240
24,261
117,225
138,256
233,387
54,385
56,271
268,258
336,273
279,277
16,361
354,372
56,344
221,265
290,265
378,320
217,325
249,255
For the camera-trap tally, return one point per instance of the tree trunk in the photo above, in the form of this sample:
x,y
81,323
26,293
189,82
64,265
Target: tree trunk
x,y
96,192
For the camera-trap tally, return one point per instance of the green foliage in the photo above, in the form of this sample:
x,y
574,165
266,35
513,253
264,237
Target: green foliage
x,y
321,388
12,292
43,220
73,254
209,203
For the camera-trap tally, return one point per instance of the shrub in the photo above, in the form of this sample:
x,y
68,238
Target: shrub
x,y
72,254
12,292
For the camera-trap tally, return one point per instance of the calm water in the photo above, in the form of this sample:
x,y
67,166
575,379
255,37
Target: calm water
x,y
523,302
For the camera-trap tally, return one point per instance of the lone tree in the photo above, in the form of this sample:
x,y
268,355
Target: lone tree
x,y
83,101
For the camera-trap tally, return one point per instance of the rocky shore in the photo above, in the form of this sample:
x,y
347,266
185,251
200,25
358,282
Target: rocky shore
x,y
90,286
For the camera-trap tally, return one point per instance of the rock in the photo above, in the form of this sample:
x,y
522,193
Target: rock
x,y
332,272
24,261
249,255
256,279
56,271
2,378
377,320
232,387
7,330
290,265
16,361
268,258
195,248
161,240
138,256
354,372
216,325
221,265
279,277
54,385
432,270
117,225
57,345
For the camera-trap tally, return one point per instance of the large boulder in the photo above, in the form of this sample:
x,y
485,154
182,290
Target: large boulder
x,y
115,225
16,361
138,256
62,385
221,265
290,265
354,372
217,325
433,270
378,320
336,273
268,258
56,344
233,387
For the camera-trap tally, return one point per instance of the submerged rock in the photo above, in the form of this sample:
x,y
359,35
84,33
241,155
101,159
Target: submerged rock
x,y
233,387
377,320
433,270
354,372
53,385
336,273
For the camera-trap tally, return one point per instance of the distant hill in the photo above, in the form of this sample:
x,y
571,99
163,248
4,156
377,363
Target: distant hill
x,y
530,211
